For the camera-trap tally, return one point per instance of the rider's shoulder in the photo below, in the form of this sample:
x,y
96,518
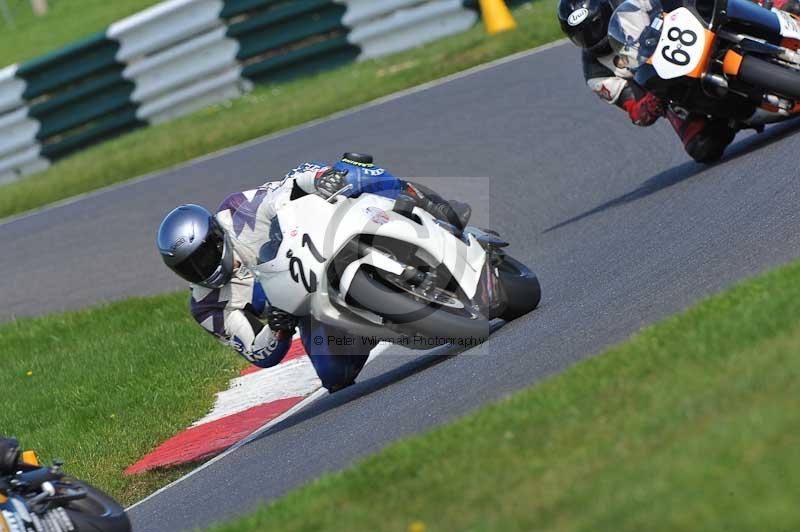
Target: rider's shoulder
x,y
251,199
232,201
589,58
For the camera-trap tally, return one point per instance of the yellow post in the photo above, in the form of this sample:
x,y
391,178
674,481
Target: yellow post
x,y
497,16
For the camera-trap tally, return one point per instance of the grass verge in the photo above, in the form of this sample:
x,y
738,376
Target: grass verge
x,y
272,108
690,425
65,22
102,387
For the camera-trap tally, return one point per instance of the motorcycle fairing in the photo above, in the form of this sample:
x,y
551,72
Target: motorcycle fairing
x,y
314,231
682,20
30,458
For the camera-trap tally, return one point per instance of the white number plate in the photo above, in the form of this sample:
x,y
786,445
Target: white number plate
x,y
682,45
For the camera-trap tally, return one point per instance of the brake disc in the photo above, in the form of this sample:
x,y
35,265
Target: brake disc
x,y
431,294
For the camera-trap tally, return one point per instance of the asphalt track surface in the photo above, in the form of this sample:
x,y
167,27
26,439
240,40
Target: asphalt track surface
x,y
622,228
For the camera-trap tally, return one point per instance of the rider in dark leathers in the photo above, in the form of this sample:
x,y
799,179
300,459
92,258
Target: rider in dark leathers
x,y
585,22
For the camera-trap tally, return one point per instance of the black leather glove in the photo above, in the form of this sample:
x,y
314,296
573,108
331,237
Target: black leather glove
x,y
453,212
330,182
279,320
9,455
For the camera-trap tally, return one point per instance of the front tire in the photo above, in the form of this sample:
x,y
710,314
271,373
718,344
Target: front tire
x,y
413,317
97,512
521,287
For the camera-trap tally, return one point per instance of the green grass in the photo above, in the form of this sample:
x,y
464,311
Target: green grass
x,y
693,424
65,22
107,385
272,108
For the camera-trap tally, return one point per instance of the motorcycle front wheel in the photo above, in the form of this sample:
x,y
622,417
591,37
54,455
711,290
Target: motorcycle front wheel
x,y
521,287
416,317
97,512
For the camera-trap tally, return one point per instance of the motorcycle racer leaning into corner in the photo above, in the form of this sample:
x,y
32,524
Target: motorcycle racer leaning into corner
x,y
212,253
585,22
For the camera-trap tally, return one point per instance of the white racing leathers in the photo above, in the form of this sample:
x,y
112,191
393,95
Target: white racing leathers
x,y
233,313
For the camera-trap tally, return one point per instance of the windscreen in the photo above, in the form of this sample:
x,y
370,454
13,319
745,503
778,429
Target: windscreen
x,y
634,31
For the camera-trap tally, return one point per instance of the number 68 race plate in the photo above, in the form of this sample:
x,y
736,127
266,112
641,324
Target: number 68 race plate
x,y
682,46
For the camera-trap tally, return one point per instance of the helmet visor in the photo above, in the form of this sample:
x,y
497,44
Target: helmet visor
x,y
634,31
206,259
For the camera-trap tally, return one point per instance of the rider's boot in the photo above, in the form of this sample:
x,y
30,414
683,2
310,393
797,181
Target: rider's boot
x,y
453,212
704,140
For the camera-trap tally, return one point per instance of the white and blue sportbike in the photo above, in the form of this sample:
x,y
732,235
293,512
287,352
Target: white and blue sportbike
x,y
387,269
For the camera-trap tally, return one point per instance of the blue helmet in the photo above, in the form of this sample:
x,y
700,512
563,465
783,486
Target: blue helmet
x,y
193,245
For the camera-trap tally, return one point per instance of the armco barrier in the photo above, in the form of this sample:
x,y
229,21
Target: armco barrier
x,y
279,40
78,95
19,149
381,28
178,58
181,55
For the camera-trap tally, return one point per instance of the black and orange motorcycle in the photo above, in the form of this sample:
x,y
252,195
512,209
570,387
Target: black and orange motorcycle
x,y
38,498
727,59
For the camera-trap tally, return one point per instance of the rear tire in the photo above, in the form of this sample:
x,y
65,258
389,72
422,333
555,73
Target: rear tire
x,y
97,512
413,317
771,77
522,289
